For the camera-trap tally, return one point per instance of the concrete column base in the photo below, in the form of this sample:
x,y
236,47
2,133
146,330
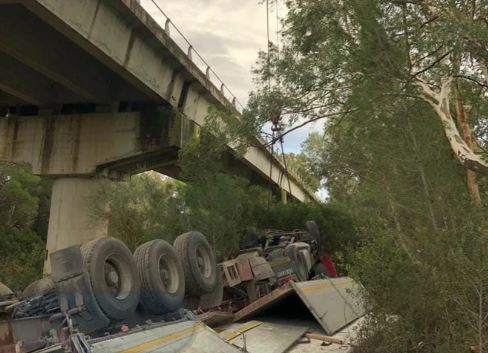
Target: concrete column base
x,y
70,220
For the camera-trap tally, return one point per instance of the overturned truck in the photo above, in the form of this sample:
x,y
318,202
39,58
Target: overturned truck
x,y
101,290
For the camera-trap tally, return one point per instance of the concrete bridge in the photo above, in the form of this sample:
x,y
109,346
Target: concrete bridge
x,y
97,88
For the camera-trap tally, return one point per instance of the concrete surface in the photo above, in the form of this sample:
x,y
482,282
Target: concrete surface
x,y
59,52
92,88
70,221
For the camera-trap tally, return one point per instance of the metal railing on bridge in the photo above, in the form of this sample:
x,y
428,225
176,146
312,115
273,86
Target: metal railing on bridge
x,y
180,39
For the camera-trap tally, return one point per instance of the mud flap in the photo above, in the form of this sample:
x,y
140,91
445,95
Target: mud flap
x,y
74,291
77,293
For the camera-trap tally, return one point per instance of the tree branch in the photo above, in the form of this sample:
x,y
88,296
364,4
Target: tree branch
x,y
311,120
440,102
438,60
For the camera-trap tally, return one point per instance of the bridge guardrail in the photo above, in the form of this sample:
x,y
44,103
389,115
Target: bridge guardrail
x,y
180,39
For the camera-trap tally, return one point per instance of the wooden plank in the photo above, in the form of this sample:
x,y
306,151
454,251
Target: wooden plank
x,y
324,338
231,334
264,302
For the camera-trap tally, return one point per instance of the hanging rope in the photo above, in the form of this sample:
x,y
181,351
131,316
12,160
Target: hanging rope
x,y
286,165
270,191
277,127
277,28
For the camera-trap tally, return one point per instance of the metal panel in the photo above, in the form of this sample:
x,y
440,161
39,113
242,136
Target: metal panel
x,y
267,337
6,339
264,302
334,302
245,271
261,268
186,336
231,273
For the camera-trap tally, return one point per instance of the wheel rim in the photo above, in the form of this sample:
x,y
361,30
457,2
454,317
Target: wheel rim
x,y
118,286
204,262
169,274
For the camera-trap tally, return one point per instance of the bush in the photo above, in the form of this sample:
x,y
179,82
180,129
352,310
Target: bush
x,y
22,254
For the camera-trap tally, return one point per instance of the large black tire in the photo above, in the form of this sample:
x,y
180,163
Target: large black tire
x,y
298,263
214,298
70,292
198,261
162,277
5,291
113,276
40,287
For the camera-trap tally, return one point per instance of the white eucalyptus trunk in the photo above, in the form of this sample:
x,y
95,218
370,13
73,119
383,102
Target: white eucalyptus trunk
x,y
440,101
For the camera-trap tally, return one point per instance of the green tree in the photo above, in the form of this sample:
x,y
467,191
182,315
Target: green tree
x,y
21,234
145,207
391,80
211,200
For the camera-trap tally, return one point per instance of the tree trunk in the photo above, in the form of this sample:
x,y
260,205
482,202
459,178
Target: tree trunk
x,y
440,102
463,123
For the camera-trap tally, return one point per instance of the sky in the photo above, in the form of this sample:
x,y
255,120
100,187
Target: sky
x,y
228,34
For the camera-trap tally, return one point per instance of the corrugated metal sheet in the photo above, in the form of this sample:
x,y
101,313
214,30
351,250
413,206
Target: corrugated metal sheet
x,y
181,337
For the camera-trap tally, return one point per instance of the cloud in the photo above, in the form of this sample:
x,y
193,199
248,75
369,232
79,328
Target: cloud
x,y
228,34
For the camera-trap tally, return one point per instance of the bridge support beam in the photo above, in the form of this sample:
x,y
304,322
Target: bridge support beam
x,y
77,150
70,219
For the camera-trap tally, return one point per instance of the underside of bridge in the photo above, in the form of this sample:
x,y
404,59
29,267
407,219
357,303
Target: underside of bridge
x,y
96,88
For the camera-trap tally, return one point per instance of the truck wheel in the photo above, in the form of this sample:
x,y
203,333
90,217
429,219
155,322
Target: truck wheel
x,y
214,298
113,276
39,287
299,265
198,261
5,291
161,275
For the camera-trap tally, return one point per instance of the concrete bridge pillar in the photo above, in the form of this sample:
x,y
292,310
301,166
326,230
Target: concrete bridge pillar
x,y
70,219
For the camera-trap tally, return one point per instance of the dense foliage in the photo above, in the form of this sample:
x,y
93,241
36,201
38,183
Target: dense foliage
x,y
24,207
222,205
400,85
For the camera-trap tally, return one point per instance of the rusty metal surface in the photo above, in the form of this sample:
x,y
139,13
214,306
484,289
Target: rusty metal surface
x,y
216,318
244,268
9,348
261,268
6,337
334,302
231,273
29,329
